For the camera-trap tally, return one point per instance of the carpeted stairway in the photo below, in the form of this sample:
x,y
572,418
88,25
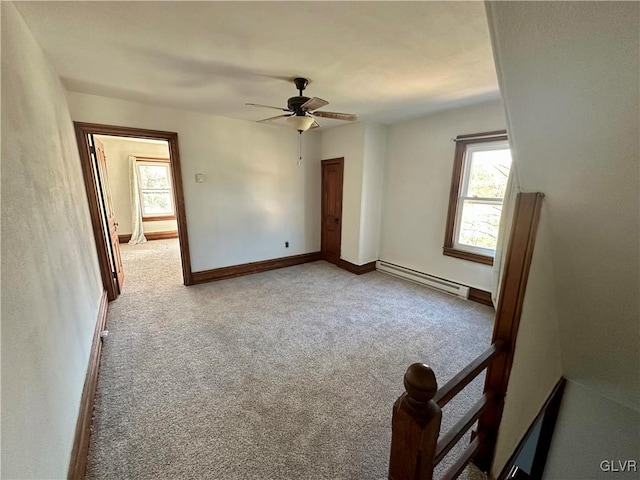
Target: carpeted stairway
x,y
288,374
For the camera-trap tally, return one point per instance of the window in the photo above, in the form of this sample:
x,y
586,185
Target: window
x,y
156,196
481,168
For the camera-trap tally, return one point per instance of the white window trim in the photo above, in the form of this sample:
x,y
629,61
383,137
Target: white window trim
x,y
464,187
167,165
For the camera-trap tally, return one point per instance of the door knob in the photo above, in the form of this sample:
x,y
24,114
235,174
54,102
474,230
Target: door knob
x,y
337,220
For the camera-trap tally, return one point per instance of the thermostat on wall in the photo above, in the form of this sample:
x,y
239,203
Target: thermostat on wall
x,y
199,178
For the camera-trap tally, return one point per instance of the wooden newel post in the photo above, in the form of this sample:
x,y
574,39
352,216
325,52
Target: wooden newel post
x,y
415,426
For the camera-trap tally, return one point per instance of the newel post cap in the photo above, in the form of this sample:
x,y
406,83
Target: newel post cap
x,y
420,382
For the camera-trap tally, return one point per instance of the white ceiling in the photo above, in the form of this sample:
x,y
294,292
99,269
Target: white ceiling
x,y
384,61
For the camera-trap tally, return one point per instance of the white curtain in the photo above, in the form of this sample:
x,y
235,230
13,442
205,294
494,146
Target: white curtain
x,y
506,219
137,231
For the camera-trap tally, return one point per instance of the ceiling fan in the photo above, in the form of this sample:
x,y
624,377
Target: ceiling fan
x,y
301,110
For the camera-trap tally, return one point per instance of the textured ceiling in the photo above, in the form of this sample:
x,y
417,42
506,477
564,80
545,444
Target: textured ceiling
x,y
384,61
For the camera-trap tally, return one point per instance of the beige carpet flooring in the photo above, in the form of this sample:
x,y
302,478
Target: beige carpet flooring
x,y
287,374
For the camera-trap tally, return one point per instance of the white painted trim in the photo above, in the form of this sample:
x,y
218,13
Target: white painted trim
x,y
425,279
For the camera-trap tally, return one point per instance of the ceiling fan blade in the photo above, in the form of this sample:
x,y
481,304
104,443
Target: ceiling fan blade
x,y
274,118
267,106
313,104
349,117
314,125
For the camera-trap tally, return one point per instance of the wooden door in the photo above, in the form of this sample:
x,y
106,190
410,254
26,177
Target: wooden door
x,y
112,225
332,176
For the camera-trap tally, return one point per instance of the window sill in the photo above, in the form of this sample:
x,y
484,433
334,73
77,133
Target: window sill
x,y
158,218
472,257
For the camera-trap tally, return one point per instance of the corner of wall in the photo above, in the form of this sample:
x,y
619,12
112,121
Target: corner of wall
x,y
374,153
537,363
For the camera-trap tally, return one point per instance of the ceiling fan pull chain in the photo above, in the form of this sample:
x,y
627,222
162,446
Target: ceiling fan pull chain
x,y
299,147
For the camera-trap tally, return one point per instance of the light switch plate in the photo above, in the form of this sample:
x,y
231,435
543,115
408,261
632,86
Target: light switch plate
x,y
199,178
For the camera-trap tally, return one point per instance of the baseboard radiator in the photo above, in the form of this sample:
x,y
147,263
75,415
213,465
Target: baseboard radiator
x,y
423,279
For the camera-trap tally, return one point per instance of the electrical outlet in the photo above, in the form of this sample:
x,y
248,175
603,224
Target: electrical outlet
x,y
286,244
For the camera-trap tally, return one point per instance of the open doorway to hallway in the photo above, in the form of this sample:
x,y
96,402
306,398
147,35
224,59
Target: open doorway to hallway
x,y
139,190
134,191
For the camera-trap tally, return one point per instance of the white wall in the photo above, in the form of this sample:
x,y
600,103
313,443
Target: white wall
x,y
363,147
51,283
419,166
569,77
590,429
255,196
117,151
348,142
372,190
537,365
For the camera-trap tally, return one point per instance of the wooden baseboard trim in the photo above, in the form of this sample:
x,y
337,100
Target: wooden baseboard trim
x,y
357,269
80,449
150,236
480,296
253,267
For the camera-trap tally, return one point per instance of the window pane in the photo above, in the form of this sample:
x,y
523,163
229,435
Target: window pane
x,y
154,176
479,224
488,173
156,203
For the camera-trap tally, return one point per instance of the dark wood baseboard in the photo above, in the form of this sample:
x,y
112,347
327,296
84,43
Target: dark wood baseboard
x,y
150,236
253,267
80,449
480,296
357,269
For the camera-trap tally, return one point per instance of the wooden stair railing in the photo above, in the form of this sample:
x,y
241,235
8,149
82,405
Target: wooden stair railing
x,y
417,414
415,448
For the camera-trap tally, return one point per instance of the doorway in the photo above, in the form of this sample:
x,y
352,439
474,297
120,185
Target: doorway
x,y
331,231
164,205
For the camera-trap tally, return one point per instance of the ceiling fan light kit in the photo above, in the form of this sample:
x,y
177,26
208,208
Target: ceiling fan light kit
x,y
301,110
301,124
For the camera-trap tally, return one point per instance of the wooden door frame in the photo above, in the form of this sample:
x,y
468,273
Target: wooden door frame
x,y
336,161
83,130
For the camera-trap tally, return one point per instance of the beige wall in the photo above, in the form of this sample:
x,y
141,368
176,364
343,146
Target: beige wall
x,y
51,283
568,73
117,151
419,165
